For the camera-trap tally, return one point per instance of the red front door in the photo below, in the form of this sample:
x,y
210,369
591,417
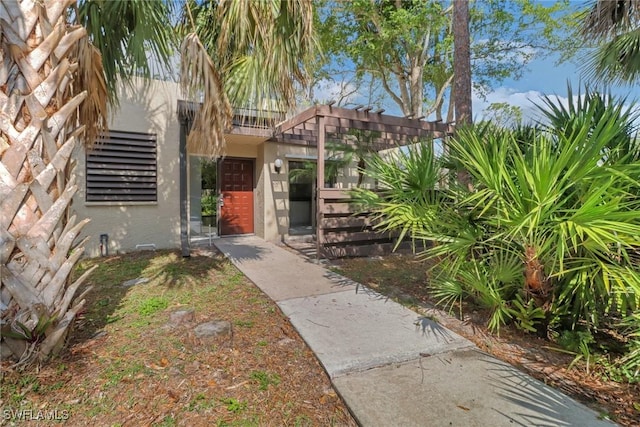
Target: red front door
x,y
236,187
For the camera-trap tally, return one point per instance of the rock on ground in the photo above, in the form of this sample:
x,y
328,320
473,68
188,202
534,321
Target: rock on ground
x,y
213,329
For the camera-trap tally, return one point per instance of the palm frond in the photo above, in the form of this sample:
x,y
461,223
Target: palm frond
x,y
203,18
141,43
263,47
93,111
616,60
606,18
200,79
246,54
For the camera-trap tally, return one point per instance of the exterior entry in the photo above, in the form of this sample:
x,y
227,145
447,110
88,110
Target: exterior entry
x,y
236,196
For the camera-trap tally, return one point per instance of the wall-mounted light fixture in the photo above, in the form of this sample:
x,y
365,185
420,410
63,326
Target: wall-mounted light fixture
x,y
277,165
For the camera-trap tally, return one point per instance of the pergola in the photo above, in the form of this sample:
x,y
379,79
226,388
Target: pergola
x,y
315,125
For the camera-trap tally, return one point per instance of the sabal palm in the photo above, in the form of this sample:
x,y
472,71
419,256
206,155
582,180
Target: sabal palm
x,y
550,228
615,26
49,70
568,216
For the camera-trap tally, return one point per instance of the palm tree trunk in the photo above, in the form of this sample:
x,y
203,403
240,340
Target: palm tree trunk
x,y
38,132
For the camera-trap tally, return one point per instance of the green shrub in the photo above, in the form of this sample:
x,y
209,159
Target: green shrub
x,y
546,233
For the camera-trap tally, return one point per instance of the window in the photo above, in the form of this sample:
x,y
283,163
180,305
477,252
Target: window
x,y
302,176
301,179
122,167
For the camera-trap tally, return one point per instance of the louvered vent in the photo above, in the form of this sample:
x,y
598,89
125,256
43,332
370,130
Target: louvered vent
x,y
122,167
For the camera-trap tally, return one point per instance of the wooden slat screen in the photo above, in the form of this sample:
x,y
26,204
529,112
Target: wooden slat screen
x,y
122,167
341,234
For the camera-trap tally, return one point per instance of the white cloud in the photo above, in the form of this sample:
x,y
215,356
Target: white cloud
x,y
526,101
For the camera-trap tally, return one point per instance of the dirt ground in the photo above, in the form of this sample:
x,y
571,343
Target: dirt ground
x,y
403,278
127,364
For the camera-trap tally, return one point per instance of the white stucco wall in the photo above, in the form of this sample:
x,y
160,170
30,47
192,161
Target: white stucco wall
x,y
274,188
150,109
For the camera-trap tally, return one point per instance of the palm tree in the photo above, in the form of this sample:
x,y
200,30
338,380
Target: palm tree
x,y
53,97
615,25
53,92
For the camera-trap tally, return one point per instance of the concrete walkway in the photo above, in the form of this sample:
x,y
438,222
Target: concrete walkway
x,y
392,367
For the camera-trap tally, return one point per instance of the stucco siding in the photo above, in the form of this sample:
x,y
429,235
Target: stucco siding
x,y
149,109
249,151
259,197
152,108
276,188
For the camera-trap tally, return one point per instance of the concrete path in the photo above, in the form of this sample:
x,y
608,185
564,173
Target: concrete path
x,y
392,367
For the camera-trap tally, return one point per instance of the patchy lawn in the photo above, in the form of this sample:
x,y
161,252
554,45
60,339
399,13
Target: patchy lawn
x,y
125,365
404,279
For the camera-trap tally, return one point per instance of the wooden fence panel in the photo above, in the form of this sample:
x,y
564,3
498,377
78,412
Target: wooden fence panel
x,y
345,231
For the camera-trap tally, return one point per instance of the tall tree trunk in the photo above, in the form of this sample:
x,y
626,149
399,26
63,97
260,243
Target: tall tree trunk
x,y
462,73
461,62
39,129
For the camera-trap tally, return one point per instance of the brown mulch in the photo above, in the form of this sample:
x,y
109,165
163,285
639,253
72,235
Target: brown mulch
x,y
125,366
403,278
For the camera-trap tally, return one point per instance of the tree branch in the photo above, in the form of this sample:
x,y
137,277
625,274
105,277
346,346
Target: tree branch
x,y
387,88
440,96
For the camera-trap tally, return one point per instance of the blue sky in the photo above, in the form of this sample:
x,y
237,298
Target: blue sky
x,y
543,77
546,77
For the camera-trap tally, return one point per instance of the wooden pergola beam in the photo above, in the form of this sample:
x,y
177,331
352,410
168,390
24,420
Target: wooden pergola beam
x,y
360,119
366,116
394,130
321,123
306,115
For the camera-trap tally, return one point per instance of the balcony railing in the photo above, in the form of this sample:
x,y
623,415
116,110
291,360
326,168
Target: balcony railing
x,y
254,118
